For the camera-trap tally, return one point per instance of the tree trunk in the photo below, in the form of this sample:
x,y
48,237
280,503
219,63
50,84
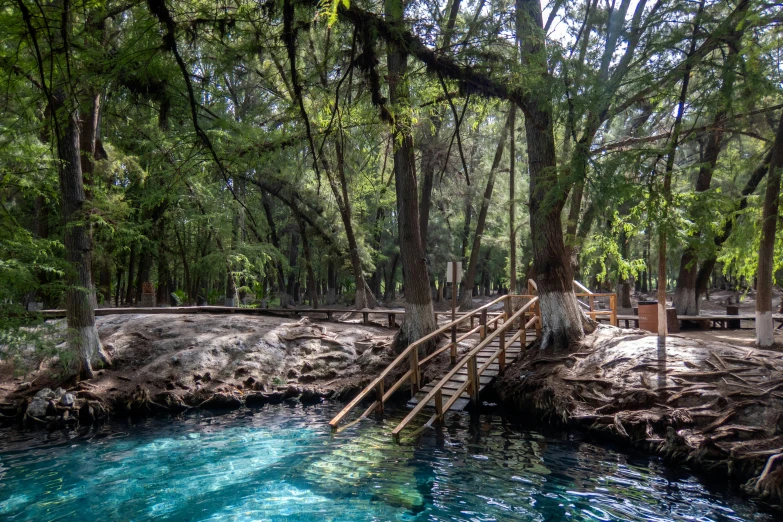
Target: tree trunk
x,y
281,288
764,324
331,282
80,298
419,315
363,297
130,291
466,303
293,255
429,144
512,210
686,294
667,179
311,288
562,319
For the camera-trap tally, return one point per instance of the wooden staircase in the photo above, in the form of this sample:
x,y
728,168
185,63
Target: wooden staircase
x,y
492,371
500,339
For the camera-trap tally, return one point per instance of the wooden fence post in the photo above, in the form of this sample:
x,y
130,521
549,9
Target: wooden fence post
x,y
502,355
379,391
473,377
415,375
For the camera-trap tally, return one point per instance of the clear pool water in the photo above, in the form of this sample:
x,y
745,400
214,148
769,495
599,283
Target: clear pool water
x,y
282,463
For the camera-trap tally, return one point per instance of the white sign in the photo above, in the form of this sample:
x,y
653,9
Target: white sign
x,y
450,271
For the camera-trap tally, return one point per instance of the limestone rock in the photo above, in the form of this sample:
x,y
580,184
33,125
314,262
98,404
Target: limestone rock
x,y
38,407
67,400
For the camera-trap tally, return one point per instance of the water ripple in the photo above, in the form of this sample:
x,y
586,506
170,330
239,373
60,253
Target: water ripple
x,y
281,463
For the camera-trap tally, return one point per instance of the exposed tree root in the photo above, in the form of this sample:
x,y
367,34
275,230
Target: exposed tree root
x,y
713,407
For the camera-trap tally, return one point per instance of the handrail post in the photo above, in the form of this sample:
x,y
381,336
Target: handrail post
x,y
483,323
379,391
473,377
439,405
415,375
502,355
454,344
613,306
591,300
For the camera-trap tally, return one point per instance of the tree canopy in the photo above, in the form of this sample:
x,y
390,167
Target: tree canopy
x,y
240,152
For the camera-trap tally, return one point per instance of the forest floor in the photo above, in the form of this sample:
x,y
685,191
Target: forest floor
x,y
694,399
173,362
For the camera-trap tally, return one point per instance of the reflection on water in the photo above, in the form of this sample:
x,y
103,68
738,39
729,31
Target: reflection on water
x,y
281,463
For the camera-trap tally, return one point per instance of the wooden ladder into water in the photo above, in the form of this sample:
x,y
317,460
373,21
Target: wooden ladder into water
x,y
501,339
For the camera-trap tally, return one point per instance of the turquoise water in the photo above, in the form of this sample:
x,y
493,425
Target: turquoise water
x,y
282,463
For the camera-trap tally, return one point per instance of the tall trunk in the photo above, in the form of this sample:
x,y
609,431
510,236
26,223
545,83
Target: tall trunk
x,y
431,140
562,319
419,315
466,230
667,179
104,282
131,293
485,276
80,296
512,210
293,255
281,288
686,296
363,297
391,277
311,288
331,281
118,287
466,303
764,323
145,268
377,275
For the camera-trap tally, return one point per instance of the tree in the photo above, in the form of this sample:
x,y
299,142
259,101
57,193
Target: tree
x,y
769,220
419,314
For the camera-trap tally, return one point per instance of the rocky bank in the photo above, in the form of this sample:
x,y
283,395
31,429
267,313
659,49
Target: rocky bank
x,y
714,407
169,363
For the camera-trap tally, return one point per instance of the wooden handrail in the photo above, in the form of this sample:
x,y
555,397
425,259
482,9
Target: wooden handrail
x,y
406,354
461,389
582,287
463,363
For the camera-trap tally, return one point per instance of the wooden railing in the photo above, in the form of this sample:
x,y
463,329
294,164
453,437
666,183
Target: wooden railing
x,y
411,354
473,383
582,291
528,316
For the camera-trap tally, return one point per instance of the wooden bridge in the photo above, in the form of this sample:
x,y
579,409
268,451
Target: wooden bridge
x,y
500,340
